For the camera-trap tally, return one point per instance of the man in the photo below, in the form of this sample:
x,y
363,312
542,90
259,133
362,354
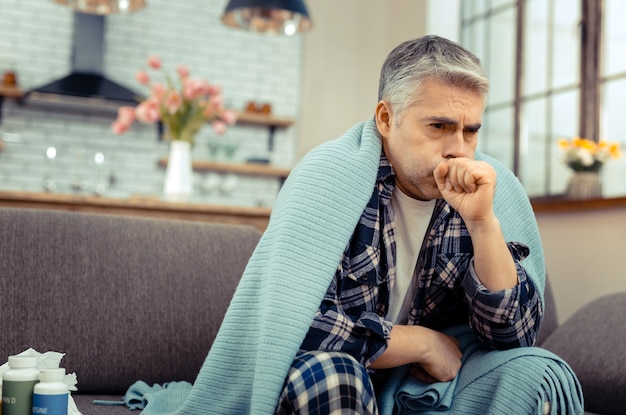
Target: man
x,y
395,247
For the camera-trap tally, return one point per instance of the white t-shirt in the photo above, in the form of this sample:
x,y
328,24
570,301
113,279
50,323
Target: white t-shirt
x,y
412,218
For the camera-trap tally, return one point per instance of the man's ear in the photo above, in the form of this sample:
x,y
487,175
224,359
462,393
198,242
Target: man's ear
x,y
384,117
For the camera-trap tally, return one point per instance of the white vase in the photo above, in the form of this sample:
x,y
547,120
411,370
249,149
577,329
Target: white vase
x,y
178,175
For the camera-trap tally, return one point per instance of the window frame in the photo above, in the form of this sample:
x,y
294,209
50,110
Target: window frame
x,y
589,85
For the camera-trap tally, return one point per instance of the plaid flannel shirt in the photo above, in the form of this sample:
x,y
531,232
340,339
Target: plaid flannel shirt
x,y
351,317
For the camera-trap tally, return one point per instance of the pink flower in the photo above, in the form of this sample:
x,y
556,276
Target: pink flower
x,y
219,127
125,117
173,101
182,103
142,77
213,106
120,127
193,89
126,114
158,91
154,62
211,89
183,71
229,117
148,112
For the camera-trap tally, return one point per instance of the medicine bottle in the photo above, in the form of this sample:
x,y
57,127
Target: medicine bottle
x,y
18,383
50,394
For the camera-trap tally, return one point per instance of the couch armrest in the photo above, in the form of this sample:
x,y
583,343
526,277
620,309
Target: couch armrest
x,y
593,343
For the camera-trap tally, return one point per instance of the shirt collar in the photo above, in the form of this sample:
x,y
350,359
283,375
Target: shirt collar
x,y
386,180
385,169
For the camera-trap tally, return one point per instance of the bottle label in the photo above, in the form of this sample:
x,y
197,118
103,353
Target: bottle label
x,y
17,397
50,404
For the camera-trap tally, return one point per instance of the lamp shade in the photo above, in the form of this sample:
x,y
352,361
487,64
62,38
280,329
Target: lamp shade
x,y
103,7
272,16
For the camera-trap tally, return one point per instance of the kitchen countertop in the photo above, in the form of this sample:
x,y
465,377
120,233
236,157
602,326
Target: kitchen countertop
x,y
138,206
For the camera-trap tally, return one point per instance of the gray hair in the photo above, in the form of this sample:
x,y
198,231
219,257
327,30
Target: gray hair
x,y
414,61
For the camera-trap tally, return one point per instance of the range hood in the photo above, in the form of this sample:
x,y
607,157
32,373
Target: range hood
x,y
86,84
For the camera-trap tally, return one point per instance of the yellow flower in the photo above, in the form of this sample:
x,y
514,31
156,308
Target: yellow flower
x,y
585,144
615,150
582,154
563,143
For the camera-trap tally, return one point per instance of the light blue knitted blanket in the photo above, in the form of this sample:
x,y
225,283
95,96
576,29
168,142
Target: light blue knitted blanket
x,y
518,381
312,220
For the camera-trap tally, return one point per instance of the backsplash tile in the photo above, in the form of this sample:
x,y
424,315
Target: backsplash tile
x,y
35,42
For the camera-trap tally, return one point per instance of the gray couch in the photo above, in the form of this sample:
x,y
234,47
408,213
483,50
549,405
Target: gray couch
x,y
130,299
593,343
125,298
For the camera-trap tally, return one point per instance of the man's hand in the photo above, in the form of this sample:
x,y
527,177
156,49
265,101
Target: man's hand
x,y
442,360
436,357
468,186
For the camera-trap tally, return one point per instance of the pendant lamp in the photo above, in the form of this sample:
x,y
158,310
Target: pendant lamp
x,y
271,16
103,7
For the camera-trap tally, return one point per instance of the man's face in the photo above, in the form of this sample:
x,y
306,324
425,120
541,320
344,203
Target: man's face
x,y
443,123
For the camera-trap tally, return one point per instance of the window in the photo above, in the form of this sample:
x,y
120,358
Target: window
x,y
550,79
613,91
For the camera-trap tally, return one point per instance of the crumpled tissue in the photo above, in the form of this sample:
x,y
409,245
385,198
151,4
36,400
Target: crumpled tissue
x,y
50,360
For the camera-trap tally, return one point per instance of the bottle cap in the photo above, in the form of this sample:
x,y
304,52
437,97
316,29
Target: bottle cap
x,y
52,375
19,362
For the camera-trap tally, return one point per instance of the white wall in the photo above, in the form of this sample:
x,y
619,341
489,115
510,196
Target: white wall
x,y
342,57
584,255
444,18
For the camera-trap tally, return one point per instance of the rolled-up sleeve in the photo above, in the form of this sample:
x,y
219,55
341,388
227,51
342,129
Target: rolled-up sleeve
x,y
509,318
355,330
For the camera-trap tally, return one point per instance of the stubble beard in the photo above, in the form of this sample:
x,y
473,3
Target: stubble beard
x,y
420,184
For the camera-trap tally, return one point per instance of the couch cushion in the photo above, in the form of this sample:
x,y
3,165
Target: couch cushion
x,y
126,298
85,405
593,342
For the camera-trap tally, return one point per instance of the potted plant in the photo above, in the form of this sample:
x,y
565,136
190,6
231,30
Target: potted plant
x,y
586,158
183,105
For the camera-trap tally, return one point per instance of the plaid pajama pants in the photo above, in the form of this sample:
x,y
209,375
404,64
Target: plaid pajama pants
x,y
331,383
327,383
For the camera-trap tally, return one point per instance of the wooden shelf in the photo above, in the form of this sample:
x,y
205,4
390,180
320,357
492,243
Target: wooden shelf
x,y
244,117
248,169
264,120
11,92
558,204
257,120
